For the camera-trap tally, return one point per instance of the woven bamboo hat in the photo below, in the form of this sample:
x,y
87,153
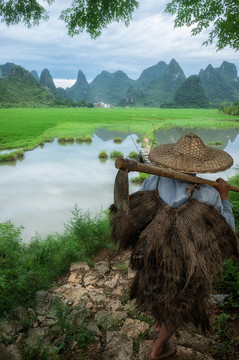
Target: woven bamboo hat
x,y
190,155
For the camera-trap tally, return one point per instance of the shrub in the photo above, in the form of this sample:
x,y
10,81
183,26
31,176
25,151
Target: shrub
x,y
215,143
133,155
103,154
66,139
12,156
81,139
27,268
139,179
116,154
117,140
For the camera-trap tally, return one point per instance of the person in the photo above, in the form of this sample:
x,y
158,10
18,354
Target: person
x,y
179,233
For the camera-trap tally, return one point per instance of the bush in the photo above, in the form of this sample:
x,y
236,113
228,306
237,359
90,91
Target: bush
x,y
12,156
27,268
133,155
118,140
103,155
139,179
116,154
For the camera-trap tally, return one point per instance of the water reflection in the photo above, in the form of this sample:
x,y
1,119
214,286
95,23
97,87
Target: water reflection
x,y
41,191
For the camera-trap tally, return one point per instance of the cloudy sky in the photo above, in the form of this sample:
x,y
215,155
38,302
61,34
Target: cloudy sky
x,y
149,38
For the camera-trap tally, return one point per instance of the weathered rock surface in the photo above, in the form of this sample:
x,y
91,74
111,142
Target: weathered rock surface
x,y
96,297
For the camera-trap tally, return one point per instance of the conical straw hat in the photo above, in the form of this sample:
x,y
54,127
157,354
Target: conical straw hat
x,y
190,155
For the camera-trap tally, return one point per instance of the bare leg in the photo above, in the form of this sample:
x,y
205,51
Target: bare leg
x,y
163,346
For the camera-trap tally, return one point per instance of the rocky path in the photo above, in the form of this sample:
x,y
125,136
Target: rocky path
x,y
98,298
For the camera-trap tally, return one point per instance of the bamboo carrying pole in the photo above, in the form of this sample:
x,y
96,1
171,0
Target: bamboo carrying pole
x,y
131,165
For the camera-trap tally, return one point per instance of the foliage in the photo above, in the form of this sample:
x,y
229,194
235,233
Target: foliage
x,y
231,277
93,16
222,331
232,109
12,156
103,154
139,179
66,139
118,140
191,94
27,268
133,155
20,88
29,12
116,154
222,15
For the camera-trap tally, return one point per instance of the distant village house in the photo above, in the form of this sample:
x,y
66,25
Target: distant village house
x,y
103,105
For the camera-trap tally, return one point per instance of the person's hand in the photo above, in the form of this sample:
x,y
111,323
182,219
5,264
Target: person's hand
x,y
223,189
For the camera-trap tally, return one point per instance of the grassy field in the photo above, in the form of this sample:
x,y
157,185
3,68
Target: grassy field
x,y
26,128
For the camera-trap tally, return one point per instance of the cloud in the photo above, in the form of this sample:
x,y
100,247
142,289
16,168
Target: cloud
x,y
64,83
148,39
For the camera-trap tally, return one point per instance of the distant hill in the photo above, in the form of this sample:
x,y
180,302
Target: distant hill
x,y
22,89
158,85
220,84
190,94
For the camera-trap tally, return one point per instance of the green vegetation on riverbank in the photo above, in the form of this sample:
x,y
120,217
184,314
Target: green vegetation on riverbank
x,y
29,127
27,268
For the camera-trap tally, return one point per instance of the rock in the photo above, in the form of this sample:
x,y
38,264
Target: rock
x,y
131,273
74,279
102,267
113,282
31,312
39,336
133,328
11,327
118,291
183,353
93,278
115,304
96,295
21,314
77,267
197,342
93,327
74,295
45,303
78,314
14,351
145,348
107,318
4,354
218,298
118,346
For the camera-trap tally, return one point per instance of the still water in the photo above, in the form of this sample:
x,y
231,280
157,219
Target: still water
x,y
40,191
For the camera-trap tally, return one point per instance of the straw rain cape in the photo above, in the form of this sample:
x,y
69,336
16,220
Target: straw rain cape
x,y
175,252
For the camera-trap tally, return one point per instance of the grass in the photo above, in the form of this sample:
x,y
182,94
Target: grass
x,y
28,127
117,140
103,155
12,156
139,179
116,154
27,268
133,155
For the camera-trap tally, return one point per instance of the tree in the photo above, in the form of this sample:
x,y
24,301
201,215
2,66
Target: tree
x,y
89,15
221,17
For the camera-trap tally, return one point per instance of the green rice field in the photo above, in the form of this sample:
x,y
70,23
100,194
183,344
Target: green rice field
x,y
28,127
